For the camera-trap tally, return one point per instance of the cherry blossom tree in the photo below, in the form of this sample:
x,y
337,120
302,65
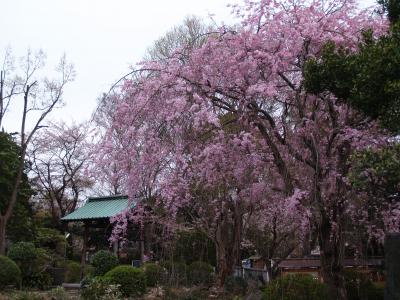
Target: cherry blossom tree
x,y
218,187
59,156
280,228
174,136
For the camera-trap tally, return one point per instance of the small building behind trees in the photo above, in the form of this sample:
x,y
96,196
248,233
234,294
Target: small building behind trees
x,y
95,215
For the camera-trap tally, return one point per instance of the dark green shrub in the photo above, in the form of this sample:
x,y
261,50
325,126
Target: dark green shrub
x,y
295,287
87,280
175,272
50,238
40,280
200,273
24,254
360,287
103,261
33,263
132,281
153,274
10,273
94,288
236,285
72,272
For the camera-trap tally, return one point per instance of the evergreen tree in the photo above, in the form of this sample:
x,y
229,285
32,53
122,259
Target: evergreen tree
x,y
368,79
20,227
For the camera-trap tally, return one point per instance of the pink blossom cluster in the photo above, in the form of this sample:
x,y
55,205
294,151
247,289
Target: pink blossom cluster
x,y
230,132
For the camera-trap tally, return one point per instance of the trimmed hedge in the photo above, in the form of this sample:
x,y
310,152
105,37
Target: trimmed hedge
x,y
103,261
295,287
131,281
10,274
23,253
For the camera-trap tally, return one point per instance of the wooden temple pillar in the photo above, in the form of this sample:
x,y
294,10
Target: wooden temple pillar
x,y
84,246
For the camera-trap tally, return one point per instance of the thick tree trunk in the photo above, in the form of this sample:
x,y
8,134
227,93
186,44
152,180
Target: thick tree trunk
x,y
332,257
227,241
3,225
224,268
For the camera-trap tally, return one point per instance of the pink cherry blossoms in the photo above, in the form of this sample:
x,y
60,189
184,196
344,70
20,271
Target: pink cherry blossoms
x,y
230,132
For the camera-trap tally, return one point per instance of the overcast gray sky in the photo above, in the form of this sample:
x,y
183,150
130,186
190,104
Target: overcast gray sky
x,y
102,38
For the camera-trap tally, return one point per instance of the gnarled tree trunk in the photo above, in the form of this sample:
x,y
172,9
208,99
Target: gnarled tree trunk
x,y
227,240
331,243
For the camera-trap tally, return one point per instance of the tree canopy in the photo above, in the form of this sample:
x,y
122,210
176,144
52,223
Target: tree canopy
x,y
21,224
289,148
368,79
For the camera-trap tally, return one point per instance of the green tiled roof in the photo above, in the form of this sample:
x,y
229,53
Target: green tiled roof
x,y
99,208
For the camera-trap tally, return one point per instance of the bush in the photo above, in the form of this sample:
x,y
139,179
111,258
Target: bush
x,y
112,292
99,288
153,274
10,273
103,261
41,280
175,272
93,288
33,263
236,285
25,295
50,238
72,272
88,270
359,287
295,287
200,273
132,281
24,254
58,293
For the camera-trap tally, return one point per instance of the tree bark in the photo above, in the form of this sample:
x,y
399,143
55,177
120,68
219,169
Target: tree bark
x,y
13,200
223,269
332,257
3,225
227,241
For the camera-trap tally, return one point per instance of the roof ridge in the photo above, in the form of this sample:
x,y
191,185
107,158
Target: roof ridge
x,y
112,197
